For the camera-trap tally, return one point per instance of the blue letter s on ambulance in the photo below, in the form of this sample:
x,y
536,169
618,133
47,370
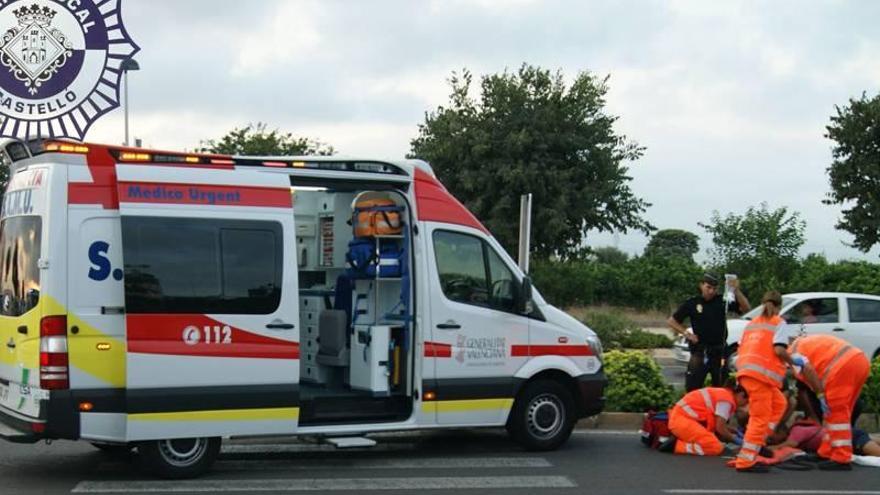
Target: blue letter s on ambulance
x,y
101,268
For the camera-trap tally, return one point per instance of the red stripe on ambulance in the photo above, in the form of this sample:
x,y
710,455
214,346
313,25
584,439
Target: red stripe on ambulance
x,y
199,335
551,350
436,349
102,189
435,204
202,194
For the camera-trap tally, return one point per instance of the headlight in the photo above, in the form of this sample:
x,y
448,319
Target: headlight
x,y
594,342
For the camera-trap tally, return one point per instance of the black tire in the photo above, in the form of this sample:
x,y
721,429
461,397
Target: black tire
x,y
179,458
115,449
543,415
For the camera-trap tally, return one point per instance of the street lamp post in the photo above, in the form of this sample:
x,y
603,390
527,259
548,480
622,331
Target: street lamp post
x,y
127,65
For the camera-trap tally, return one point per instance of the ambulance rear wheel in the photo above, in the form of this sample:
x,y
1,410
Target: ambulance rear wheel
x,y
179,458
543,416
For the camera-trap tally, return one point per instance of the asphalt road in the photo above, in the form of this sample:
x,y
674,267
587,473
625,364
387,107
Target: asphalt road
x,y
451,462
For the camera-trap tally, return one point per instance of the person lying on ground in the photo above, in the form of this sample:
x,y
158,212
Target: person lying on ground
x,y
807,436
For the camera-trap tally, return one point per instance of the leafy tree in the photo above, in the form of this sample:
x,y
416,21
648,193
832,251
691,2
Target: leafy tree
x,y
530,133
855,171
610,255
761,246
255,139
673,242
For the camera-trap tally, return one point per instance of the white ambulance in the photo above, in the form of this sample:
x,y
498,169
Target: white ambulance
x,y
164,301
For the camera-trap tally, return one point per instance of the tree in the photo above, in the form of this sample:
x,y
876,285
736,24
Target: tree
x,y
255,139
530,133
673,242
610,255
855,171
761,246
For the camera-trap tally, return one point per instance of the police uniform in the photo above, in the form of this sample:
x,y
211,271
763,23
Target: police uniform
x,y
709,322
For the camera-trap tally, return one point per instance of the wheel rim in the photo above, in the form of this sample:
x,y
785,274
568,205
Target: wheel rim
x,y
546,416
183,452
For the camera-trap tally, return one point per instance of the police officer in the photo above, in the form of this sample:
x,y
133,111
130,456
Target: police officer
x,y
708,318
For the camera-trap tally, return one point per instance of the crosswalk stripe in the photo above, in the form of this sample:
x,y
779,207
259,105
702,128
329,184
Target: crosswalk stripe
x,y
318,484
327,464
286,448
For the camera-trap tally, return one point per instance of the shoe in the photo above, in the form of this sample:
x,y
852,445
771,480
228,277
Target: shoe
x,y
668,445
754,468
834,466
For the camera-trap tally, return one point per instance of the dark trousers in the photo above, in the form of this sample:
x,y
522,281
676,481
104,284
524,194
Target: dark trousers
x,y
705,360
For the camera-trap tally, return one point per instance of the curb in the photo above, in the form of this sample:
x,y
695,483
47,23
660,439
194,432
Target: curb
x,y
619,421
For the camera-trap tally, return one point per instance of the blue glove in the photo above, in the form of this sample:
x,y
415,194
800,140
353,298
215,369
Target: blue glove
x,y
738,438
824,405
798,361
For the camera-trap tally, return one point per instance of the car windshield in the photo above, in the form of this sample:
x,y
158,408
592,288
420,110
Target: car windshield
x,y
786,301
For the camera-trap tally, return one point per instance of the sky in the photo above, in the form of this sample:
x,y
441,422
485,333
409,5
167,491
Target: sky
x,y
730,99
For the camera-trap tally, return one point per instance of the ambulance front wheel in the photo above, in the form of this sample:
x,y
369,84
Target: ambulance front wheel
x,y
179,458
542,416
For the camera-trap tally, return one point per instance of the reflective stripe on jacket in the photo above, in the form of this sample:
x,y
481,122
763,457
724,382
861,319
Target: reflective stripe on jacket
x,y
756,357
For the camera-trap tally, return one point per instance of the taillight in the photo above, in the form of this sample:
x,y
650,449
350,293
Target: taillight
x,y
54,371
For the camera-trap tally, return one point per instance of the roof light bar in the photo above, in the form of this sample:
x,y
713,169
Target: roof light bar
x,y
275,164
67,148
134,157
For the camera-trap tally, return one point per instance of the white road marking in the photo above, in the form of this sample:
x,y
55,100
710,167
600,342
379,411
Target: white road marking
x,y
319,484
773,492
306,447
326,464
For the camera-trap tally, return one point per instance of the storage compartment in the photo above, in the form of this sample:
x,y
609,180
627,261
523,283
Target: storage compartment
x,y
370,358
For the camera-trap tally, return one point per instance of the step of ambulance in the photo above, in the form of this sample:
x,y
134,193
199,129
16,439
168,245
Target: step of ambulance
x,y
350,442
326,410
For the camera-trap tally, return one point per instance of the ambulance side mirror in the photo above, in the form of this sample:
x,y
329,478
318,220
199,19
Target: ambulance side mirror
x,y
524,304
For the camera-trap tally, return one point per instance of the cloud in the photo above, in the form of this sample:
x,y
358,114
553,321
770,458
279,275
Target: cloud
x,y
290,33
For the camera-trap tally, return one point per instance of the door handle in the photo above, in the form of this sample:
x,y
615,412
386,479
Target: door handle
x,y
22,329
838,329
449,325
279,325
10,344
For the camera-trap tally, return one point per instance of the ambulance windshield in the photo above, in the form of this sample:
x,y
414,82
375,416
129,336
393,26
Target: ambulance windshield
x,y
20,276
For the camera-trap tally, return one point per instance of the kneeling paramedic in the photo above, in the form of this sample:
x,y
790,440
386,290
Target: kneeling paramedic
x,y
840,372
760,371
699,420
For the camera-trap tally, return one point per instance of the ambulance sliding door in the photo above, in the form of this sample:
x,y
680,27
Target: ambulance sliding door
x,y
211,302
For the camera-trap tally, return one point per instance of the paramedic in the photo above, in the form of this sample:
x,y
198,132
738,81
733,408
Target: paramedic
x,y
708,317
760,372
698,421
840,372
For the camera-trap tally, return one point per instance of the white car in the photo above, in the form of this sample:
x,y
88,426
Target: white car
x,y
852,317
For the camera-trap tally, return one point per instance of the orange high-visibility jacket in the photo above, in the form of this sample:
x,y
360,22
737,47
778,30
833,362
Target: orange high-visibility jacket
x,y
755,356
824,352
700,404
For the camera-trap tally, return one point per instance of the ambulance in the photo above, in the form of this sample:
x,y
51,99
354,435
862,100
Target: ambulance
x,y
165,301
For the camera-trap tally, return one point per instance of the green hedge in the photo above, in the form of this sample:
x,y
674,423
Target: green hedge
x,y
871,390
616,331
663,282
635,383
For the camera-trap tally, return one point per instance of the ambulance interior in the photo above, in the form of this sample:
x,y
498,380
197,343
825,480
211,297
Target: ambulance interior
x,y
356,335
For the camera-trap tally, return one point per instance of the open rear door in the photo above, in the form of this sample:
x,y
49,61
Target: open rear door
x,y
210,300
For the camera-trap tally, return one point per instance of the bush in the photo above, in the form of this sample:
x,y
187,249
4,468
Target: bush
x,y
635,383
871,390
616,331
